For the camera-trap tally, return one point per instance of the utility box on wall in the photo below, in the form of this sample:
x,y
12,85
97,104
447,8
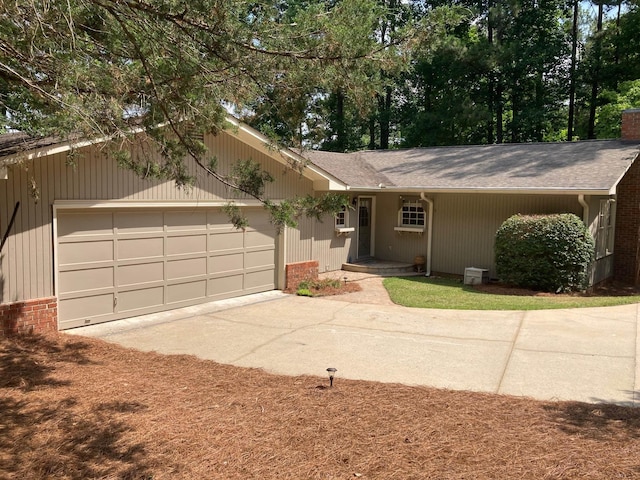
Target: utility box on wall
x,y
475,276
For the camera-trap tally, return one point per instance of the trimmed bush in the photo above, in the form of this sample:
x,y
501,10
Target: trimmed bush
x,y
551,253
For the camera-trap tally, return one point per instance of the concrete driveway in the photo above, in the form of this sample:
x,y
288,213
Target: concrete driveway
x,y
580,354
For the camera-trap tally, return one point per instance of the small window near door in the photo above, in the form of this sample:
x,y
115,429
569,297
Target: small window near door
x,y
411,215
363,215
342,218
604,234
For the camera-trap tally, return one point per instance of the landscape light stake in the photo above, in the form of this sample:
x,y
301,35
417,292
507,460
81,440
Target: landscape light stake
x,y
332,371
345,280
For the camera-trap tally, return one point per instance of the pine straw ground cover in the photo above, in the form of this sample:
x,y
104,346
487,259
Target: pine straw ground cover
x,y
76,408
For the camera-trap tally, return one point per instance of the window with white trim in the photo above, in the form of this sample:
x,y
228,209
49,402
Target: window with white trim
x,y
605,228
342,218
411,214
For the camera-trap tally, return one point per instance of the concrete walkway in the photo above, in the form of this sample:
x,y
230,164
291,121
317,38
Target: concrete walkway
x,y
580,354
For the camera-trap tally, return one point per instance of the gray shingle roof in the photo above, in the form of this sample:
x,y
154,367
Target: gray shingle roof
x,y
575,166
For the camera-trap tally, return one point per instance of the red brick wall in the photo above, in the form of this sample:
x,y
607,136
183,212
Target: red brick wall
x,y
631,124
32,316
297,272
625,250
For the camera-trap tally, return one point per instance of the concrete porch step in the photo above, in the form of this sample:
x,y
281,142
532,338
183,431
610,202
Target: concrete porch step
x,y
381,267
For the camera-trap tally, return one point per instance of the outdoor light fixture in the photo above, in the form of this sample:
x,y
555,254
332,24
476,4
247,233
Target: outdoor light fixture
x,y
345,280
332,371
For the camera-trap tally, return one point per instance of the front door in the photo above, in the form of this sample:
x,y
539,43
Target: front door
x,y
365,221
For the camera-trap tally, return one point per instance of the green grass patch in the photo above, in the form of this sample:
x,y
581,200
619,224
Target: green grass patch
x,y
446,293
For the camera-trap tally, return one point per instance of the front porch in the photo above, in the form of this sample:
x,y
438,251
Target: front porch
x,y
384,268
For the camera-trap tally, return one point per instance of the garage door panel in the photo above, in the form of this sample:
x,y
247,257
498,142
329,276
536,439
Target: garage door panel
x,y
137,222
183,244
259,238
226,286
86,279
142,298
132,262
131,248
181,292
85,224
136,274
73,253
226,263
221,242
257,218
87,307
259,258
259,279
185,220
186,268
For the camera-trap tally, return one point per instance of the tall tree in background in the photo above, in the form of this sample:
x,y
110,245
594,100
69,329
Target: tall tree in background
x,y
155,71
595,71
572,70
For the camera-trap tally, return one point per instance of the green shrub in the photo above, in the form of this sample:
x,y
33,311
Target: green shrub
x,y
544,252
304,292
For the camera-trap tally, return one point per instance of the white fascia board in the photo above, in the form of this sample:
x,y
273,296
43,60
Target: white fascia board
x,y
321,180
47,151
4,172
329,185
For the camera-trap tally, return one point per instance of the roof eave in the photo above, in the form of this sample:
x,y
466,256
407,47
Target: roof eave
x,y
321,180
494,190
48,150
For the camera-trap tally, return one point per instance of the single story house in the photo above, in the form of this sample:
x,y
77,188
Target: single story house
x,y
98,243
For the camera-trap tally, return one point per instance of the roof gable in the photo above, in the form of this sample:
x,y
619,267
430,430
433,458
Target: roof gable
x,y
15,147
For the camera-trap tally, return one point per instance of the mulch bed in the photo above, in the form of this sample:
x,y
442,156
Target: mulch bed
x,y
610,289
79,408
329,288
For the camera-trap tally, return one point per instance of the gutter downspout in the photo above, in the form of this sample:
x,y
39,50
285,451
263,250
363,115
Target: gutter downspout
x,y
585,210
424,198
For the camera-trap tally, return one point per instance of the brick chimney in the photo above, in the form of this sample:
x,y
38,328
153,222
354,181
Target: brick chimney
x,y
631,124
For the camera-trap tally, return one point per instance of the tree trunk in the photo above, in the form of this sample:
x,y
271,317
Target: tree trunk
x,y
384,103
341,144
499,113
591,131
490,78
572,72
372,133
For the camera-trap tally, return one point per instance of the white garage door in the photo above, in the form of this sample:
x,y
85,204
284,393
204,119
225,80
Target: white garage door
x,y
115,264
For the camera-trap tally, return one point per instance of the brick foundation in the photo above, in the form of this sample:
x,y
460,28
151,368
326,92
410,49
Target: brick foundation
x,y
31,316
297,272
